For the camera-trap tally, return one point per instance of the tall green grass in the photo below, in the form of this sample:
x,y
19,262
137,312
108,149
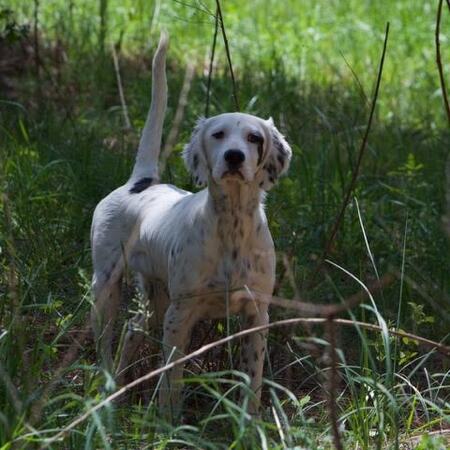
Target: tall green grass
x,y
305,63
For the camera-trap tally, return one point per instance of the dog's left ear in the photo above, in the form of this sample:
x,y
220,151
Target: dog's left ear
x,y
278,157
194,156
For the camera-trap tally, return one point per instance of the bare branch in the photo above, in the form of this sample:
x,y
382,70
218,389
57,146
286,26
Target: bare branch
x,y
126,117
438,59
227,49
211,63
330,327
179,115
356,170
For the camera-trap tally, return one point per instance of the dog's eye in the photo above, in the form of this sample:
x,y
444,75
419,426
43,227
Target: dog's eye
x,y
255,138
218,134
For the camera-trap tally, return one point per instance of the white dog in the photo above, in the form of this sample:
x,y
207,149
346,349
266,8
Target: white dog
x,y
197,256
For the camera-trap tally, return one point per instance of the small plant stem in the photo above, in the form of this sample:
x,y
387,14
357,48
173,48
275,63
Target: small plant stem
x,y
211,63
439,61
357,168
227,50
36,38
126,117
333,383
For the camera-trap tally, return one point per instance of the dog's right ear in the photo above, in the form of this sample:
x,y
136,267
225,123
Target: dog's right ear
x,y
194,155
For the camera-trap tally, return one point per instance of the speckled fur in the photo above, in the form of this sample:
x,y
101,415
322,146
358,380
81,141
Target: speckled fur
x,y
197,256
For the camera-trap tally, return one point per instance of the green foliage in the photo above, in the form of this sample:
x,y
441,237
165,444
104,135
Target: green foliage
x,y
431,443
62,148
10,30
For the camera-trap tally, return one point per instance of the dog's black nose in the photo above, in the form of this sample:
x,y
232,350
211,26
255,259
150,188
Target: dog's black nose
x,y
234,158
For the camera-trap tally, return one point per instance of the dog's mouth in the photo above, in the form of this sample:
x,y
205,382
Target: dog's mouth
x,y
233,173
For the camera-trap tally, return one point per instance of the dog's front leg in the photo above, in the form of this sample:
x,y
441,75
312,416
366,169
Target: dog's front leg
x,y
253,352
178,323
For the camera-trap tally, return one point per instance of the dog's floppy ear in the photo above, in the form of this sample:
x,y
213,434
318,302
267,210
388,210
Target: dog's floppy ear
x,y
194,156
277,159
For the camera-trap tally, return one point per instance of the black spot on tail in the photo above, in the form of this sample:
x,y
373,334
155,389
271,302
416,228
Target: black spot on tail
x,y
141,185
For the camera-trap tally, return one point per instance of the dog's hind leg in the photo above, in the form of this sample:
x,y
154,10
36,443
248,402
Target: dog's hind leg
x,y
106,286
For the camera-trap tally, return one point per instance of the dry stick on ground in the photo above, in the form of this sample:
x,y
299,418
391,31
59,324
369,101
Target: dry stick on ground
x,y
211,63
227,50
126,117
179,115
355,174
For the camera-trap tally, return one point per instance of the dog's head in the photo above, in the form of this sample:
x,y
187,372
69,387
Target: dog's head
x,y
237,147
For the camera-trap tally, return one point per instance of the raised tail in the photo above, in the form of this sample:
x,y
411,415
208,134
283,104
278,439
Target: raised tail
x,y
146,165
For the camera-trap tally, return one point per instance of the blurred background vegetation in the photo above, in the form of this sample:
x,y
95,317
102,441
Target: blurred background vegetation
x,y
312,66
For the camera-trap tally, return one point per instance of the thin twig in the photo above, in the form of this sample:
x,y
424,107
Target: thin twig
x,y
179,114
446,217
290,276
36,37
438,59
333,383
103,11
211,63
313,309
287,322
126,117
356,78
227,50
356,170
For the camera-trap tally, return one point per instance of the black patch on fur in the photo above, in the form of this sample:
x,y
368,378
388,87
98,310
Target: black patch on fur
x,y
278,144
281,160
195,162
141,185
260,152
235,253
